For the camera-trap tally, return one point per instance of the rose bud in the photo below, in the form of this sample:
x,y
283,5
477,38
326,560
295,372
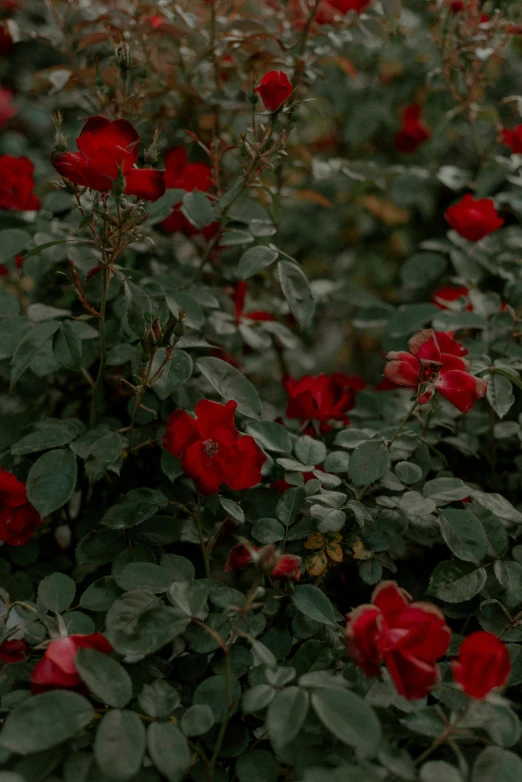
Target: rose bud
x,y
274,88
482,665
239,556
288,566
473,218
57,670
13,651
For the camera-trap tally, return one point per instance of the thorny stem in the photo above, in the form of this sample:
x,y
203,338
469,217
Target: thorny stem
x,y
404,421
444,736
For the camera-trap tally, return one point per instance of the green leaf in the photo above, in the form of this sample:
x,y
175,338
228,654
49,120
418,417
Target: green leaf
x,y
100,595
258,698
67,346
271,436
197,720
104,677
290,504
368,463
9,304
286,715
309,450
439,771
258,765
349,718
175,374
254,260
149,632
408,473
197,209
104,454
158,699
268,531
213,692
230,383
498,505
495,764
456,582
410,318
314,604
12,242
136,506
51,481
44,721
444,490
500,394
168,750
232,509
119,745
464,535
297,292
56,592
143,575
30,346
48,433
37,250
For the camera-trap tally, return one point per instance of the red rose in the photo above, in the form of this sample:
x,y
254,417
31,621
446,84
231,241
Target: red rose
x,y
444,296
15,651
268,560
407,637
413,132
483,664
473,218
274,88
238,295
239,556
16,184
288,566
322,398
57,669
343,6
182,175
7,108
18,518
435,362
211,450
105,149
513,139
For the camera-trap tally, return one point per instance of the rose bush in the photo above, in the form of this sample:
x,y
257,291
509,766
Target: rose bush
x,y
260,423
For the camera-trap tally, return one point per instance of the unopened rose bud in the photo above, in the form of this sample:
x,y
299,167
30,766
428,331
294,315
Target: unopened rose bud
x,y
123,55
157,332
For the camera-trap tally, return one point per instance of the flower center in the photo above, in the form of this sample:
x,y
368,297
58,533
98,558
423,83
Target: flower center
x,y
210,447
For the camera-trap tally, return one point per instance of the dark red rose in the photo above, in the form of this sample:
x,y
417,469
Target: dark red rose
x,y
17,183
413,132
513,139
407,637
444,296
321,398
57,669
274,88
473,218
7,108
105,149
483,664
182,175
435,361
18,518
211,450
268,560
238,296
15,651
239,556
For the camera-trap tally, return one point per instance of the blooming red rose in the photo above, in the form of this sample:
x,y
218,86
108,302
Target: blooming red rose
x,y
18,518
274,88
7,107
435,363
105,149
407,637
211,450
17,183
322,398
182,175
57,669
238,296
13,651
473,218
483,664
268,560
444,296
513,139
413,132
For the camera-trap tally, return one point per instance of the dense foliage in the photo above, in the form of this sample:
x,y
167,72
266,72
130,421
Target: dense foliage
x,y
260,424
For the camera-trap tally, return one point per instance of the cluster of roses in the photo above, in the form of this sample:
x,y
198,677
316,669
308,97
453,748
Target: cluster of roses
x,y
407,637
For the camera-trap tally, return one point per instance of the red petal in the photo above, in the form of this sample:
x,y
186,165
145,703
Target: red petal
x,y
182,431
145,183
424,345
461,389
213,415
202,468
390,599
